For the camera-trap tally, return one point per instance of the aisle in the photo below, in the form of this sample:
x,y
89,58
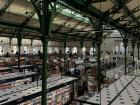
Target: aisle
x,y
125,91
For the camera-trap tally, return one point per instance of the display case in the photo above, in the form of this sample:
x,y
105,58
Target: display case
x,y
60,92
9,77
57,97
13,84
9,80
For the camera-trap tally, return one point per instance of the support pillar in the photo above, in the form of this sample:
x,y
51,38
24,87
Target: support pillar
x,y
99,63
125,41
138,47
133,47
65,45
10,41
31,50
45,19
31,42
81,46
99,34
45,24
138,53
19,40
10,45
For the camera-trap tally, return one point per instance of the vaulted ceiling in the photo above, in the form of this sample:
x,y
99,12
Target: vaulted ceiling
x,y
71,17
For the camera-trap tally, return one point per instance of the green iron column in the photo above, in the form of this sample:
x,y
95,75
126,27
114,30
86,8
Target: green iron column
x,y
45,24
125,41
99,35
31,44
10,41
10,44
19,42
45,19
98,43
65,45
133,47
138,46
97,24
81,46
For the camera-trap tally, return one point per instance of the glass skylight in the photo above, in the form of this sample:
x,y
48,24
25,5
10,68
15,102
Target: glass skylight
x,y
25,8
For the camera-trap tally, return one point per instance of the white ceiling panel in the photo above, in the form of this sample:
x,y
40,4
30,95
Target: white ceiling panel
x,y
34,23
71,23
134,3
13,17
88,28
21,7
117,15
2,3
104,6
137,14
125,21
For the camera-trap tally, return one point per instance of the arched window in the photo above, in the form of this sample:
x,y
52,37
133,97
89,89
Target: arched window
x,y
91,51
35,50
67,50
121,48
127,49
26,50
1,50
94,50
49,50
41,49
74,50
56,49
113,49
116,49
84,50
14,49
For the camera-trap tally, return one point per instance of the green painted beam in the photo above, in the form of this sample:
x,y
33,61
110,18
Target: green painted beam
x,y
71,35
128,13
37,30
93,13
68,20
73,28
11,24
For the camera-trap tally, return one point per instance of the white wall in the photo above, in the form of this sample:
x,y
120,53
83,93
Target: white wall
x,y
107,45
5,43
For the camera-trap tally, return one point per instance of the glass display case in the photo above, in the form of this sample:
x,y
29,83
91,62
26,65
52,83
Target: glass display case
x,y
60,91
9,85
60,96
10,80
